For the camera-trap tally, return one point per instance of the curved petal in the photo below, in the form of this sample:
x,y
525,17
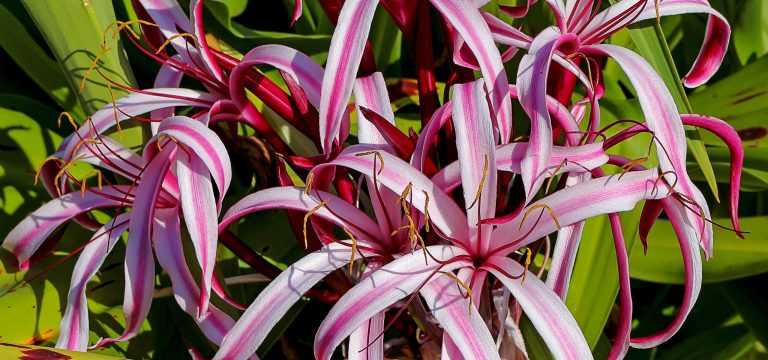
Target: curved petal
x,y
624,327
728,134
564,159
546,311
477,158
428,136
377,292
139,263
169,76
130,106
74,329
566,248
506,34
111,155
198,205
205,145
304,71
27,236
172,21
335,210
206,55
604,195
170,254
371,93
663,119
688,240
532,86
344,57
278,297
460,320
716,37
468,22
397,175
367,341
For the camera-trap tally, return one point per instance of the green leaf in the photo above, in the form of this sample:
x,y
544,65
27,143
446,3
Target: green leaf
x,y
25,142
76,33
223,11
733,257
750,35
19,44
746,296
14,351
534,344
727,342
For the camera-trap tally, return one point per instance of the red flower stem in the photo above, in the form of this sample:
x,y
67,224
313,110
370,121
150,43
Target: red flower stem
x,y
425,62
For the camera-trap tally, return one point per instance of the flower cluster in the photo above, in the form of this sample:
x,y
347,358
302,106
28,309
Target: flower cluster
x,y
448,218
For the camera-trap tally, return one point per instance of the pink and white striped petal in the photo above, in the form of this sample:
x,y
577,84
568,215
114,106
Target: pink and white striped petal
x,y
205,145
532,87
428,136
367,341
687,237
206,55
466,19
371,93
139,263
27,236
566,248
73,328
344,56
397,175
304,71
278,297
716,37
604,195
476,151
460,320
335,210
663,119
133,105
384,287
564,159
546,311
198,206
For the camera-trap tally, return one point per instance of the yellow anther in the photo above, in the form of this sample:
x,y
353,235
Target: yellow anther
x,y
60,173
632,163
37,173
174,37
377,156
461,284
354,250
310,179
84,180
481,185
528,260
70,119
306,219
552,175
93,65
543,207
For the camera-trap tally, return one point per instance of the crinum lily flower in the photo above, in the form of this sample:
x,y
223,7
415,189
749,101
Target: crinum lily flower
x,y
471,250
173,177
